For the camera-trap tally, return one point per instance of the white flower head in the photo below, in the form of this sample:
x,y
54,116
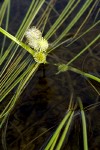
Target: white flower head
x,y
33,33
34,44
40,57
43,44
38,43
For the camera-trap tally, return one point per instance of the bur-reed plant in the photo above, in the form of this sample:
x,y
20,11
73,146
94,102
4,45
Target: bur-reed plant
x,y
20,60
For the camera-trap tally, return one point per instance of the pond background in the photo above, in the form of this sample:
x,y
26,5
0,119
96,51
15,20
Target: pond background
x,y
45,101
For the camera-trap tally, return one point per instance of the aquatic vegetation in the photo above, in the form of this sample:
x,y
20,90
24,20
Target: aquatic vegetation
x,y
33,33
35,40
44,31
40,57
38,43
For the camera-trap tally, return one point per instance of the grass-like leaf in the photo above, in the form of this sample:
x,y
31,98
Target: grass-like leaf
x,y
85,141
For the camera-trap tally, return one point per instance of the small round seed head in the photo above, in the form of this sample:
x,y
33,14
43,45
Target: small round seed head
x,y
33,33
40,57
43,44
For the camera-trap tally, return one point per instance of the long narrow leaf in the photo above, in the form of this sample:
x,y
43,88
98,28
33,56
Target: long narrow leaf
x,y
85,140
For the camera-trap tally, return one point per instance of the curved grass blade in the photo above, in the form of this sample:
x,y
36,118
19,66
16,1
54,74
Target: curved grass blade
x,y
61,140
55,135
79,54
73,22
6,28
85,139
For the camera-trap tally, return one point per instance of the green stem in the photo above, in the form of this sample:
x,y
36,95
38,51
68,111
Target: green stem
x,y
84,74
31,51
64,67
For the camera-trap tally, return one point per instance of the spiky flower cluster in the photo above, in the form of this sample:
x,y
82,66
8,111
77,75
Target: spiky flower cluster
x,y
40,57
36,41
33,33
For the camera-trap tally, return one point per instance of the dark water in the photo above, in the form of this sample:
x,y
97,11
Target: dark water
x,y
45,101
